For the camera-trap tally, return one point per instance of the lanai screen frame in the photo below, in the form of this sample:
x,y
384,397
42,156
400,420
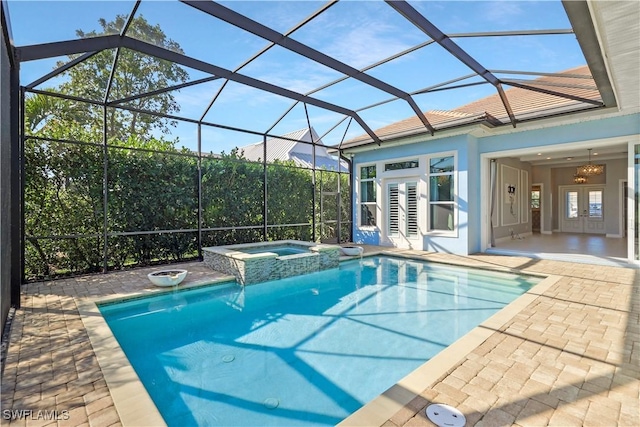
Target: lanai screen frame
x,y
577,11
199,155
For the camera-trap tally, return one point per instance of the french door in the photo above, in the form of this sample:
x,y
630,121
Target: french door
x,y
402,219
583,209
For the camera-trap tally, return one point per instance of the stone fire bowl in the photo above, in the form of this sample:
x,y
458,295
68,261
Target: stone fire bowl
x,y
167,277
352,250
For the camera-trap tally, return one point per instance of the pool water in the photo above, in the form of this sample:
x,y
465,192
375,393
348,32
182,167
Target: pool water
x,y
279,250
308,350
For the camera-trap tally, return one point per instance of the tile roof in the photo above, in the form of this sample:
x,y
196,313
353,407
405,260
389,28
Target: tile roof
x,y
576,83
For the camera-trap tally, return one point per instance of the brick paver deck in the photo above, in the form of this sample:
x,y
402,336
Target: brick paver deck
x,y
571,357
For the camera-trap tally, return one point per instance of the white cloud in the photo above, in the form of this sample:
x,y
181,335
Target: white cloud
x,y
502,12
358,33
361,47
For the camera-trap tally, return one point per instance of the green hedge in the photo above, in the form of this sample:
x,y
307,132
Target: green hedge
x,y
149,191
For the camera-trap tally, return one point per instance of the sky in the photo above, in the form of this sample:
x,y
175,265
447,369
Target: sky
x,y
358,33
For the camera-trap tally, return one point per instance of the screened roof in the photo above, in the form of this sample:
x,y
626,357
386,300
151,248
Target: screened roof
x,y
348,69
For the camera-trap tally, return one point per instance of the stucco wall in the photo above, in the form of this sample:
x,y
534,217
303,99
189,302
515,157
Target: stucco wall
x,y
592,130
475,203
464,147
471,199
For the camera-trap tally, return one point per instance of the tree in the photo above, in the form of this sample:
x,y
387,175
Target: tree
x,y
135,74
64,181
149,190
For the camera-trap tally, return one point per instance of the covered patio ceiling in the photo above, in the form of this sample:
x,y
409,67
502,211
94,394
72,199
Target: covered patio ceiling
x,y
311,75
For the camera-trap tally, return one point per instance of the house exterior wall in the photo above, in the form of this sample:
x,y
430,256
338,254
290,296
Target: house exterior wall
x,y
461,147
589,129
475,203
594,129
479,143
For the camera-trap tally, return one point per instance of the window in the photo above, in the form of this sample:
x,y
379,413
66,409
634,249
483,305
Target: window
x,y
368,215
595,204
535,199
442,194
401,165
572,204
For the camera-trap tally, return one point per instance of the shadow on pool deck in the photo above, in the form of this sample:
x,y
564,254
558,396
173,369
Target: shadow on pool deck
x,y
571,357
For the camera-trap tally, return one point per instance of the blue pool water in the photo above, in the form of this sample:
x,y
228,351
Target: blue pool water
x,y
307,350
279,250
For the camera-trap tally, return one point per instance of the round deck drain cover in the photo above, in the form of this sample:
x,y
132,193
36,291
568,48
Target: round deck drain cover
x,y
228,358
445,415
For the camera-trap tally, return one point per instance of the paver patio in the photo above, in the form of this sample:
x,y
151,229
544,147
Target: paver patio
x,y
570,357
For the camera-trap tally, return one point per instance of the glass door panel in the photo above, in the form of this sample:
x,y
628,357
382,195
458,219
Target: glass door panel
x,y
583,210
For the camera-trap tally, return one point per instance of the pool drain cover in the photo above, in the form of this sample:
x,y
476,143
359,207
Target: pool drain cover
x,y
271,402
445,415
227,358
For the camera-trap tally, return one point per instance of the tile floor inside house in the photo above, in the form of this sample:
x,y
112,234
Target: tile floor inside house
x,y
572,247
571,356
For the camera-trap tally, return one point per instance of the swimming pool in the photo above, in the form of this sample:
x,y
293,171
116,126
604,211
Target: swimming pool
x,y
307,350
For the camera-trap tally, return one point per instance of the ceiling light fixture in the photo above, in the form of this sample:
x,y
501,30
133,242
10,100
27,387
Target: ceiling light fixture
x,y
580,179
590,169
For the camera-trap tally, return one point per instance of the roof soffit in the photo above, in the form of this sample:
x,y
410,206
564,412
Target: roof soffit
x,y
580,18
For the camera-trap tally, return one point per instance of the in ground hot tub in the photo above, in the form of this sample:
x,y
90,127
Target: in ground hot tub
x,y
280,250
260,262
